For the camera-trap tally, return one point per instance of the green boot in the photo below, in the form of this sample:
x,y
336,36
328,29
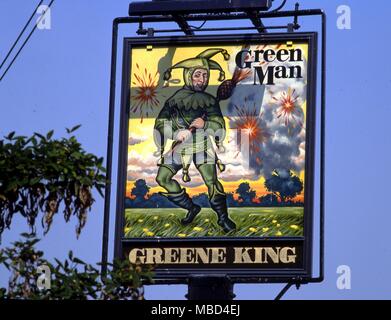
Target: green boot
x,y
183,200
219,204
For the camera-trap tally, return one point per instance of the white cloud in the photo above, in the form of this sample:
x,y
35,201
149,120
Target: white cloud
x,y
134,139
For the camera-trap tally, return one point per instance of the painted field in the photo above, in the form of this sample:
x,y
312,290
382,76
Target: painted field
x,y
251,222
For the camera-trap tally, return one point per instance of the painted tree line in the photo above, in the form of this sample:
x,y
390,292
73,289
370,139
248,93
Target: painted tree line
x,y
282,187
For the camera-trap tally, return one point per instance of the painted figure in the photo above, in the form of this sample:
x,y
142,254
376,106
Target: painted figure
x,y
192,117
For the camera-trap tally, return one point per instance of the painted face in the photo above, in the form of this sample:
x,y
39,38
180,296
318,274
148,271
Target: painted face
x,y
200,78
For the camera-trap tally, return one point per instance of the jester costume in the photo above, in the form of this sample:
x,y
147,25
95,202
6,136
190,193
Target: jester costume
x,y
178,113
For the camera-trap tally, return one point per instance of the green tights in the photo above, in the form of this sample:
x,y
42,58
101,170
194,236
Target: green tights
x,y
208,173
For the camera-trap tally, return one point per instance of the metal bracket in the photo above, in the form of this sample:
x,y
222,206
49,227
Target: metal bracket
x,y
296,25
182,23
150,32
257,22
297,282
215,287
186,28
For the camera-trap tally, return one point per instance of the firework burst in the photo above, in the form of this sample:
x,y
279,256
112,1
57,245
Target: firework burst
x,y
265,47
249,122
145,98
288,110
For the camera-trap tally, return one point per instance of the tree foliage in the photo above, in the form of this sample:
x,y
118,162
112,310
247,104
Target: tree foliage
x,y
140,190
44,175
246,194
270,199
285,184
69,279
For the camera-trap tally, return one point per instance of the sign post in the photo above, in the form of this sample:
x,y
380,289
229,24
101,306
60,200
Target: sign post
x,y
217,158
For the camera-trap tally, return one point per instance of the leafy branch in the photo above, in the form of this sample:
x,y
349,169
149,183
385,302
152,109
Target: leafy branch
x,y
69,279
45,175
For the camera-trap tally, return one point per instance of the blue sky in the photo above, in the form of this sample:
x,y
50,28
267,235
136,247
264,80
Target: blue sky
x,y
62,79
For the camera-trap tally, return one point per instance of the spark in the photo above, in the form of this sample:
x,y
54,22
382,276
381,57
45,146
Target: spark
x,y
288,109
264,47
248,121
145,98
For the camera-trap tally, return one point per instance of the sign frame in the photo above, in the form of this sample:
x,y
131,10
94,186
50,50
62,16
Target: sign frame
x,y
196,6
242,275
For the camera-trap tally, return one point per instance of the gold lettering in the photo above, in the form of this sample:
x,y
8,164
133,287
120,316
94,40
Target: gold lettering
x,y
273,254
285,258
202,254
245,255
218,255
242,255
137,256
154,256
171,255
186,255
258,254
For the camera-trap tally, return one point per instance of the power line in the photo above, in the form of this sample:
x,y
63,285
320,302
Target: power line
x,y
20,34
25,41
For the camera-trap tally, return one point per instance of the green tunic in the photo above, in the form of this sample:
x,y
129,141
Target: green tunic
x,y
180,111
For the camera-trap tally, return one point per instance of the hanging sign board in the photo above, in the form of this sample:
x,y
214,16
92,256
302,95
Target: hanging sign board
x,y
217,154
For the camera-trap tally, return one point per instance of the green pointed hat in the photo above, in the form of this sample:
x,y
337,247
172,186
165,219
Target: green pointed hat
x,y
202,61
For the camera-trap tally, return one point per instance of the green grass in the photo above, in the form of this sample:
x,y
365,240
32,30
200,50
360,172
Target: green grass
x,y
251,222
